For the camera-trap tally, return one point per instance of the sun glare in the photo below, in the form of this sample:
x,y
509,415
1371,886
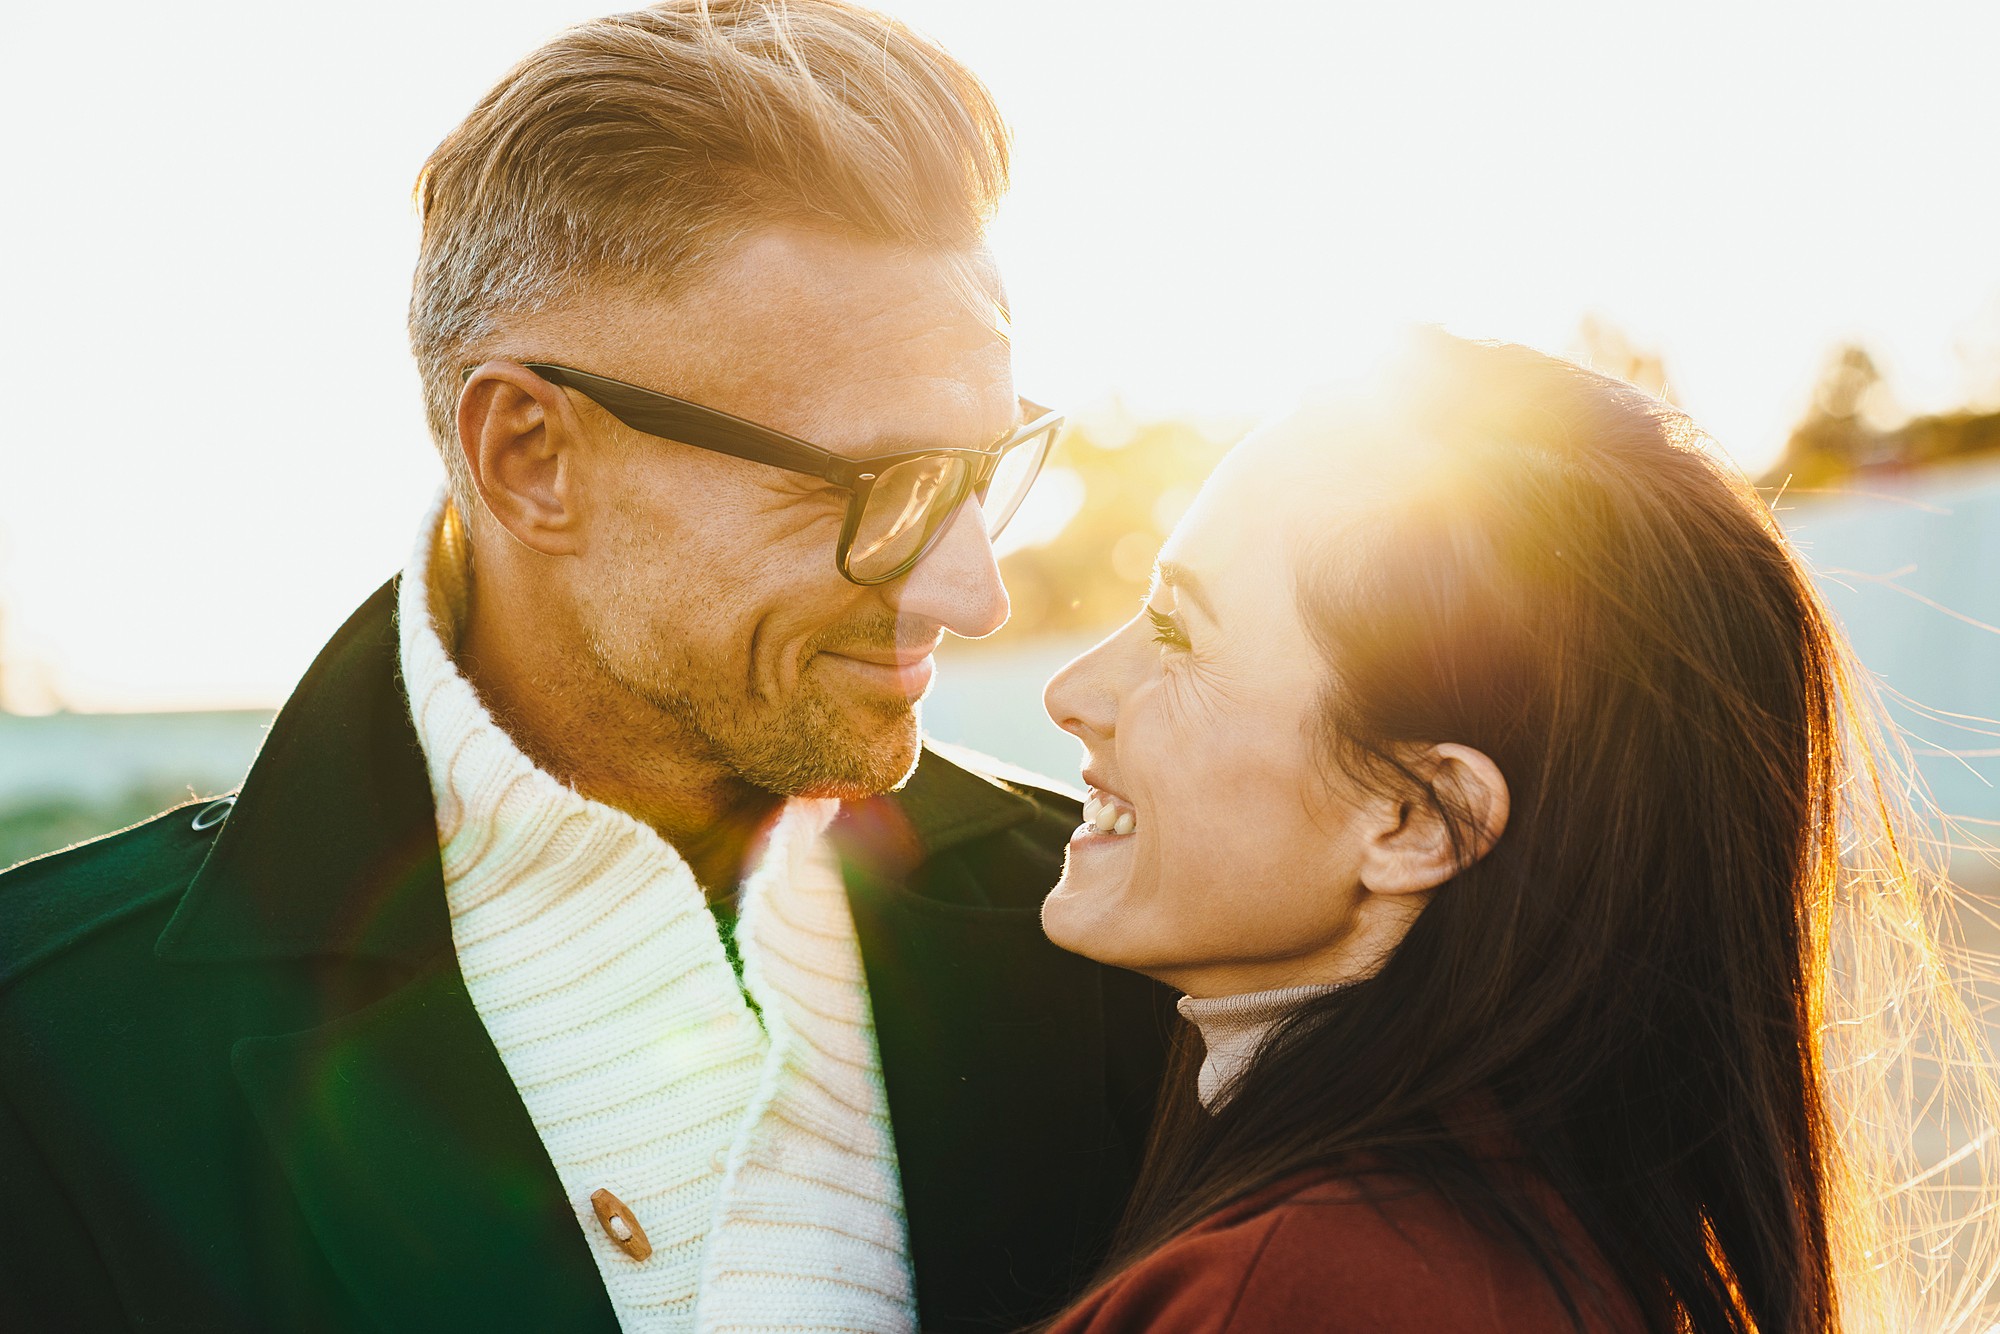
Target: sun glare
x,y
1207,214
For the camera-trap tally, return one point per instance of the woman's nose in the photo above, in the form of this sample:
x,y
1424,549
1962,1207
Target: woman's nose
x,y
1081,698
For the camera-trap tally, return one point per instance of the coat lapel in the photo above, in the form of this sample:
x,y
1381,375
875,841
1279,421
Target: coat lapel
x,y
992,1052
418,1168
331,849
398,1128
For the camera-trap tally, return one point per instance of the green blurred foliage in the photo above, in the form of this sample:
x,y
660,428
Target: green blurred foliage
x,y
1127,486
32,828
1854,427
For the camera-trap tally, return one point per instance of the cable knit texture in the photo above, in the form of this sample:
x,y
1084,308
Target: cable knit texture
x,y
1233,1028
755,1154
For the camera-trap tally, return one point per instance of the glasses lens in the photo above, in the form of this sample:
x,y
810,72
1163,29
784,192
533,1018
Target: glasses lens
x,y
1011,480
909,503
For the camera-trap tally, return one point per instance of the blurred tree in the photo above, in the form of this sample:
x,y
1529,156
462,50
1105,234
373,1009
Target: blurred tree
x,y
1114,488
1836,437
1131,484
1603,346
1948,435
1853,425
1849,385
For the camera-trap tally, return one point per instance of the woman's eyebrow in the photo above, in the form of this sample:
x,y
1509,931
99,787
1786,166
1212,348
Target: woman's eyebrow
x,y
1182,580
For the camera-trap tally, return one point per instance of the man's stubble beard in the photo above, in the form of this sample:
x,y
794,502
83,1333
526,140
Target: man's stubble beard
x,y
804,745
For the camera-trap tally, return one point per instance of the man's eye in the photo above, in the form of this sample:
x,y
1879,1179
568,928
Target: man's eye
x,y
1166,631
826,494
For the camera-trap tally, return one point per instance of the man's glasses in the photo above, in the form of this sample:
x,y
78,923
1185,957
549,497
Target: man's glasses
x,y
898,504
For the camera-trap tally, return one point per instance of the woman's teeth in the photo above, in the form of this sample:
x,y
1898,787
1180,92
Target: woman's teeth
x,y
1108,817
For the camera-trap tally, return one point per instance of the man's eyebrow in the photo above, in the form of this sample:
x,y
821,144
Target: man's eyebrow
x,y
1181,579
901,444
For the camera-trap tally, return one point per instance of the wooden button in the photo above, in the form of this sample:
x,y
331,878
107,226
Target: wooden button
x,y
620,1224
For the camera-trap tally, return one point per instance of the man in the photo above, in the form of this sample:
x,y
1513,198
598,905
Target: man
x,y
561,963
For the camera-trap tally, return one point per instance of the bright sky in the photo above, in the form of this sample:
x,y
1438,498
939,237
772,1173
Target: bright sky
x,y
214,448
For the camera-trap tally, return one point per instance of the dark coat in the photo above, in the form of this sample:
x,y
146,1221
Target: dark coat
x,y
242,1085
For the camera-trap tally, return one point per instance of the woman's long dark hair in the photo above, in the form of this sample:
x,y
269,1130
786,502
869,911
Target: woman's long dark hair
x,y
1634,982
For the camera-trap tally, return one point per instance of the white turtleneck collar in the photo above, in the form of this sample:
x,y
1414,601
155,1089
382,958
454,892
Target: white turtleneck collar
x,y
1233,1030
756,1158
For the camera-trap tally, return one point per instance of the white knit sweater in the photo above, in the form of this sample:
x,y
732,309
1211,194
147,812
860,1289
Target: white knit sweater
x,y
756,1155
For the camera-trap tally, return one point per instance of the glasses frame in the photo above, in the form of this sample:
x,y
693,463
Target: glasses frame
x,y
676,419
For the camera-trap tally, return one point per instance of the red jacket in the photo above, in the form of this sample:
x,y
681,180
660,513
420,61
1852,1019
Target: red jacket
x,y
1363,1251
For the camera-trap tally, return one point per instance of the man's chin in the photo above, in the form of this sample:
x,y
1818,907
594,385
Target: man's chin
x,y
854,753
882,764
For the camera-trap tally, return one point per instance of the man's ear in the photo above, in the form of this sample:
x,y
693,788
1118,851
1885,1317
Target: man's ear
x,y
519,435
1410,849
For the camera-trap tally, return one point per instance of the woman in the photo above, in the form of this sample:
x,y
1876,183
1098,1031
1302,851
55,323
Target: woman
x,y
1481,767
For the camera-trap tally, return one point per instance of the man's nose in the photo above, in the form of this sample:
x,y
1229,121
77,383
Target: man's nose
x,y
957,583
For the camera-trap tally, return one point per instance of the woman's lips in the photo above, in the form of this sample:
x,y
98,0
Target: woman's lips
x,y
1105,813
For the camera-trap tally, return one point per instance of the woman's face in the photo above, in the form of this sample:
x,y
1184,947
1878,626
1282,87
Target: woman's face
x,y
1241,868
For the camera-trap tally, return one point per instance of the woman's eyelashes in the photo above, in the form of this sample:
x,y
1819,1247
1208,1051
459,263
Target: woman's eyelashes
x,y
1166,631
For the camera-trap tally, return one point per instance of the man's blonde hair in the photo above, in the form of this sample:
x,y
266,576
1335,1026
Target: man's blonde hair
x,y
632,150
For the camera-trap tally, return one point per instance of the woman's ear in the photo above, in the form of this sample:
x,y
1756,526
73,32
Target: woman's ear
x,y
1410,850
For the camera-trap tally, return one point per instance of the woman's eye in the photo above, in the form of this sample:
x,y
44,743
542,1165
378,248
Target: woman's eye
x,y
1166,631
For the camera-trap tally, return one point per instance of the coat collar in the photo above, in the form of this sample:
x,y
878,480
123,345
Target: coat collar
x,y
331,849
332,846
